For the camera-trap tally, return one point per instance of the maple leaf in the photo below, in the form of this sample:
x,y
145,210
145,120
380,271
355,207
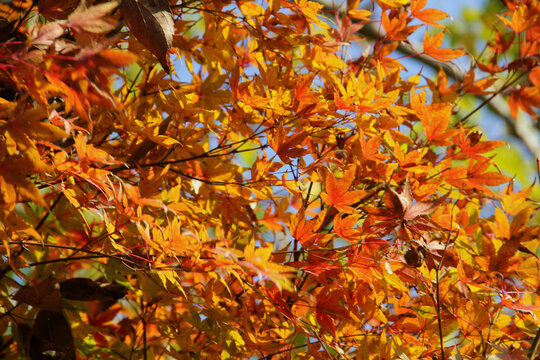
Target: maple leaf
x,y
310,10
360,14
15,185
305,231
524,98
370,148
407,207
344,227
515,202
259,261
287,147
428,16
396,27
92,19
521,19
393,3
337,192
478,176
328,311
91,153
432,48
404,213
478,87
43,295
471,146
435,120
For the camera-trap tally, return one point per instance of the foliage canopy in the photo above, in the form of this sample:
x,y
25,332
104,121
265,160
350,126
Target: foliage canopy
x,y
278,194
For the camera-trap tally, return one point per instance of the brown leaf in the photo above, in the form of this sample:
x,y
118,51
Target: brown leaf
x,y
414,256
152,24
44,295
404,203
422,208
54,9
401,202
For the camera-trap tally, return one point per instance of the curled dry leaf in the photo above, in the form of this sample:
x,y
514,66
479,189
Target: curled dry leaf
x,y
414,256
152,24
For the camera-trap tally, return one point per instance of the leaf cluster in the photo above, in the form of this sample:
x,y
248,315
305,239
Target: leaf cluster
x,y
264,191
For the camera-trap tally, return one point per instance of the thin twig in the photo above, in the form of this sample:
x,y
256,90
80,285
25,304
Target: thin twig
x,y
145,355
438,308
94,254
490,98
534,345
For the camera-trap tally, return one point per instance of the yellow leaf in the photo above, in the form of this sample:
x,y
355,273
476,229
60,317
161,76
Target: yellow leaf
x,y
70,195
393,3
394,281
251,9
502,227
14,183
310,10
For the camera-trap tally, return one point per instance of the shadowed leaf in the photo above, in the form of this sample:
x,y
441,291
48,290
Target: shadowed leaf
x,y
152,24
51,337
44,295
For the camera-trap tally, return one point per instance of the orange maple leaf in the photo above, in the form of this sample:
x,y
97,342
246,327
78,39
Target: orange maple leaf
x,y
328,310
428,16
471,145
477,174
435,119
521,19
404,214
344,227
525,98
370,148
337,191
432,47
88,152
287,147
